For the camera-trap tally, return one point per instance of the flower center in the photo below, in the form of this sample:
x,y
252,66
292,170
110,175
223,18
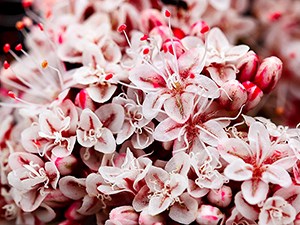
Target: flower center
x,y
93,134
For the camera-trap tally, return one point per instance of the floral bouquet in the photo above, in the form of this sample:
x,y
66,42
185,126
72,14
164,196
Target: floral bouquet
x,y
152,112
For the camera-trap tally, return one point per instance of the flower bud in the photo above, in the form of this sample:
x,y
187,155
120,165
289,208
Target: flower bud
x,y
247,67
221,197
66,164
268,74
151,18
125,215
83,100
171,45
146,219
297,219
233,96
254,95
199,28
209,215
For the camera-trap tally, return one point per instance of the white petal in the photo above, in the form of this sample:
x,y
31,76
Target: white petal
x,y
254,191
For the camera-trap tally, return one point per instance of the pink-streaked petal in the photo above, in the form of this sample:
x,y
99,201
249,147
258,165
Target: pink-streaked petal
x,y
153,103
73,188
232,149
106,143
84,75
141,199
179,107
167,130
112,116
245,209
221,74
89,120
185,212
45,213
50,123
178,184
143,140
101,93
125,133
195,191
31,200
158,204
179,163
156,178
238,170
84,142
276,175
90,206
255,191
17,160
52,173
291,195
212,133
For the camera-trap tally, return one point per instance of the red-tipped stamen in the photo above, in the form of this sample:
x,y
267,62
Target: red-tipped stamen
x,y
6,48
167,13
144,38
41,26
146,51
6,65
20,25
19,47
11,94
122,28
192,75
108,76
275,16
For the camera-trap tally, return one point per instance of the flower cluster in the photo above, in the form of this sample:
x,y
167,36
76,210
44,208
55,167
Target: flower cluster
x,y
113,120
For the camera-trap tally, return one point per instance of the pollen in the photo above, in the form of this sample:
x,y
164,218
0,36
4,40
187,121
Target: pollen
x,y
44,64
20,25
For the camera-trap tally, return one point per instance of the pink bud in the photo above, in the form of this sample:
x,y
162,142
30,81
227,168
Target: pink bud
x,y
247,67
209,215
171,45
199,28
297,219
146,219
268,74
221,197
124,215
66,165
83,100
254,95
233,96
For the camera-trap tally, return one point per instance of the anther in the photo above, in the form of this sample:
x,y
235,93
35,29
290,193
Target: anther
x,y
26,3
146,51
6,48
122,28
44,64
108,76
6,65
41,26
11,94
20,25
19,47
275,16
167,13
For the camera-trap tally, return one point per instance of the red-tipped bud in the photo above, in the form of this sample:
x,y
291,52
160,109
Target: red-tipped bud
x,y
209,215
268,74
204,27
125,215
144,38
167,13
6,65
199,28
11,94
121,28
66,165
233,96
171,45
221,197
26,3
254,95
83,100
146,51
6,48
41,26
19,47
20,25
247,67
178,33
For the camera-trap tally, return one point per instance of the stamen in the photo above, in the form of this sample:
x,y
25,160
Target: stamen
x,y
19,47
20,25
26,3
6,48
6,65
121,29
144,38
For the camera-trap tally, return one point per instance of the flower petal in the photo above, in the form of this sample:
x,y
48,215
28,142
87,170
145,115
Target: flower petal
x,y
276,175
254,191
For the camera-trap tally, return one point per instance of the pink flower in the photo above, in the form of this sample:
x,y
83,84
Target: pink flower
x,y
257,162
91,133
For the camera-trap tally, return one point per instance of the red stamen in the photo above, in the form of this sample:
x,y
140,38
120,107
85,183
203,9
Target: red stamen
x,y
108,76
26,3
41,26
192,75
144,38
6,65
19,47
20,25
121,28
167,13
6,48
146,51
11,94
